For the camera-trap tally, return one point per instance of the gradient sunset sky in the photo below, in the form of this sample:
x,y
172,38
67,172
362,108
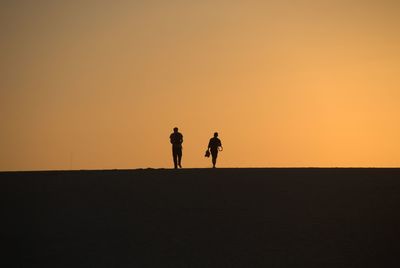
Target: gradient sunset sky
x,y
286,83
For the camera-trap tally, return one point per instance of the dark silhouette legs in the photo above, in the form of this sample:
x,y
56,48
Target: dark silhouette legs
x,y
180,158
177,156
214,155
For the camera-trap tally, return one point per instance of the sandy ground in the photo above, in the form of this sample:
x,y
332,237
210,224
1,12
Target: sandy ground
x,y
201,218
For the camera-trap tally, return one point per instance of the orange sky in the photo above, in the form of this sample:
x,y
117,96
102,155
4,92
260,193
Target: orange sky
x,y
101,84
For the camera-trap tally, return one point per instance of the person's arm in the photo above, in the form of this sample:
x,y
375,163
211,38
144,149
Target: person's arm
x,y
209,144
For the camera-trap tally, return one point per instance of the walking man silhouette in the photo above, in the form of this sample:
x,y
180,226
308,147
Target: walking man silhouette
x,y
176,139
214,146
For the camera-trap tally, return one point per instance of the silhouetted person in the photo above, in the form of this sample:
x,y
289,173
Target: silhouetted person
x,y
176,139
214,146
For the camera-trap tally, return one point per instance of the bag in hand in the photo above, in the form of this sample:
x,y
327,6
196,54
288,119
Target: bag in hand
x,y
207,153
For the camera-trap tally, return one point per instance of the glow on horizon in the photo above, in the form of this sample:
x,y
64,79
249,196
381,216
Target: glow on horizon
x,y
99,85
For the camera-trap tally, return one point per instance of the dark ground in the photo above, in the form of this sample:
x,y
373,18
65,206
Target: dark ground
x,y
201,218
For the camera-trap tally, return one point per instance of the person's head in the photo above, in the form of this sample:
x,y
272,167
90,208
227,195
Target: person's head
x,y
215,134
175,129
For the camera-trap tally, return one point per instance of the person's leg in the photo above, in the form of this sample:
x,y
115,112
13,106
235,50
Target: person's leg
x,y
175,157
179,155
214,155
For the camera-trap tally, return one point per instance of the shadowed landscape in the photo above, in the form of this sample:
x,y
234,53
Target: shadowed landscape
x,y
201,218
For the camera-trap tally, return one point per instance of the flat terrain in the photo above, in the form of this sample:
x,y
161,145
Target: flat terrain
x,y
201,218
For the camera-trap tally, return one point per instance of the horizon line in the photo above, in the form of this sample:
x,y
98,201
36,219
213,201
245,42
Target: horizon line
x,y
193,168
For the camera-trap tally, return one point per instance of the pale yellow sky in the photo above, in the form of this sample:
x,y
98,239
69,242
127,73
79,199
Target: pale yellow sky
x,y
101,84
